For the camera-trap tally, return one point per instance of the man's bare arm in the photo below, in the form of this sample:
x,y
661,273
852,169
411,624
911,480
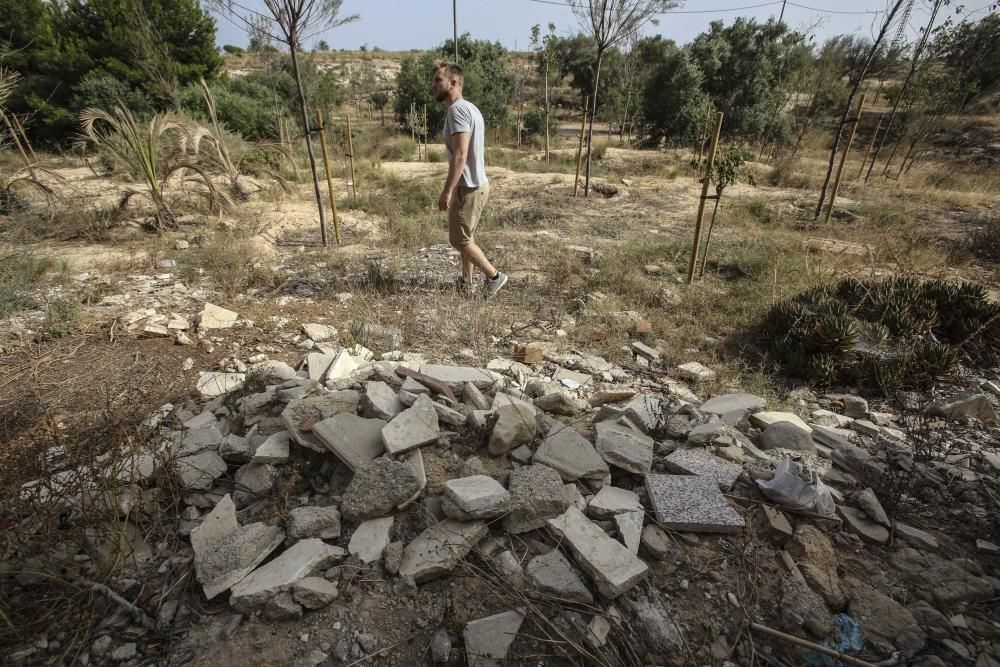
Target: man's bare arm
x,y
459,154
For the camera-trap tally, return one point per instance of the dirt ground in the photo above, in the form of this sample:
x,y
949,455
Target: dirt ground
x,y
549,243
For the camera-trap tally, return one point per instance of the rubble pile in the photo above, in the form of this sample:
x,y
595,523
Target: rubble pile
x,y
582,484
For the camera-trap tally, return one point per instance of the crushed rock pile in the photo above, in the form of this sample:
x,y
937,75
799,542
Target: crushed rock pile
x,y
571,476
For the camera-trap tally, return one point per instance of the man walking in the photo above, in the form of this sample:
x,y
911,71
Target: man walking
x,y
466,188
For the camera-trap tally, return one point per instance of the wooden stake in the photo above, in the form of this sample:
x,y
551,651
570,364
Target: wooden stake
x,y
520,108
350,156
843,657
579,150
871,144
843,158
329,179
425,128
704,195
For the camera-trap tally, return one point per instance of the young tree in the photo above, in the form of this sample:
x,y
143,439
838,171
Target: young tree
x,y
729,168
542,46
672,101
609,22
296,21
379,99
889,17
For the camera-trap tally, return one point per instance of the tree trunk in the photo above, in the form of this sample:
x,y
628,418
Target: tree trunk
x,y
848,108
546,109
293,47
906,84
708,238
590,130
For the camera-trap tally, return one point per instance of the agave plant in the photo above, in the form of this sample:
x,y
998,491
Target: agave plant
x,y
154,152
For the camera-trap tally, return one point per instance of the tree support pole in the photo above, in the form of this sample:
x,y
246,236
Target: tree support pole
x,y
706,181
17,140
843,158
350,157
329,178
293,45
868,153
579,150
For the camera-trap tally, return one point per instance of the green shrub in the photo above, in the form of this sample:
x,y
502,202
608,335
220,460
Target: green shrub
x,y
890,334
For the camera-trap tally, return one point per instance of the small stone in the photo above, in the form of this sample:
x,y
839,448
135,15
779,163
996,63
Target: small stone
x,y
378,488
314,592
413,427
964,404
552,574
787,435
214,317
273,450
612,500
855,407
477,497
282,607
319,332
311,521
572,456
440,646
536,494
392,557
437,550
695,372
124,652
655,542
860,524
515,427
370,539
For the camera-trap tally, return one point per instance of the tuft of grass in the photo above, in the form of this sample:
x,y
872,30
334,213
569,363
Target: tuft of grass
x,y
232,265
788,174
18,275
62,318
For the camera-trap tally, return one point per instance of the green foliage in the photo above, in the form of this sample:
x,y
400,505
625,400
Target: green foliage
x,y
971,52
244,105
534,123
233,50
730,168
70,53
883,335
489,83
672,98
741,71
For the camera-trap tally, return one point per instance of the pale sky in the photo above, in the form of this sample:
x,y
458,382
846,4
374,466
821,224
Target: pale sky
x,y
396,25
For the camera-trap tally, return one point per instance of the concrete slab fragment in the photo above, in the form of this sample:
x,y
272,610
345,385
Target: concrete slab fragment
x,y
611,565
301,415
624,447
300,561
487,640
612,500
212,384
380,401
690,503
218,523
571,455
437,550
478,496
766,418
552,574
228,560
370,539
353,439
413,427
630,529
696,461
456,376
273,450
727,403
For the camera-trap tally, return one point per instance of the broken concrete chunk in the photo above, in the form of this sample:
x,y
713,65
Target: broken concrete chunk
x,y
765,419
300,561
229,559
612,500
552,574
314,592
477,497
787,435
456,376
652,622
253,482
696,372
273,450
695,504
413,427
648,412
918,538
199,471
561,403
536,495
515,427
862,525
474,398
319,333
353,439
312,521
219,523
216,317
341,368
301,415
377,488
437,550
272,372
212,384
380,401
624,447
487,640
370,539
612,566
965,404
721,405
696,461
571,455
630,528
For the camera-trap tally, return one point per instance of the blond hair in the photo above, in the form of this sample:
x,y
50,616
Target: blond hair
x,y
453,70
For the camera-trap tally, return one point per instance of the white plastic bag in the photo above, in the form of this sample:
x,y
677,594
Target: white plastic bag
x,y
798,487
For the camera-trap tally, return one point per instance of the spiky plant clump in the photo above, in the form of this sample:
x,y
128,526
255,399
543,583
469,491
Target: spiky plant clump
x,y
883,335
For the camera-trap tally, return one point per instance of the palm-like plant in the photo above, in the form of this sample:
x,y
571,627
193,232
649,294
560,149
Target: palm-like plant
x,y
222,161
154,152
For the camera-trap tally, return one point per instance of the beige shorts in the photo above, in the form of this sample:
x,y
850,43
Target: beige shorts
x,y
464,210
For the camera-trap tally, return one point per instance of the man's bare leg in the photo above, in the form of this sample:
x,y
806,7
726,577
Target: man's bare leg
x,y
473,256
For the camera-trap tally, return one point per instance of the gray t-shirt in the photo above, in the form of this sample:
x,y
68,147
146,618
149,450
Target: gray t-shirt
x,y
463,116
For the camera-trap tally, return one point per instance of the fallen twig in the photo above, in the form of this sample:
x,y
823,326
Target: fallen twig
x,y
777,634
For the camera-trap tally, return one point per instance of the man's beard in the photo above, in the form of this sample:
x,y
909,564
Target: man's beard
x,y
442,96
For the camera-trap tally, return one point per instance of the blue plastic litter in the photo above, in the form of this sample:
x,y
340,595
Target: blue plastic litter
x,y
850,639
